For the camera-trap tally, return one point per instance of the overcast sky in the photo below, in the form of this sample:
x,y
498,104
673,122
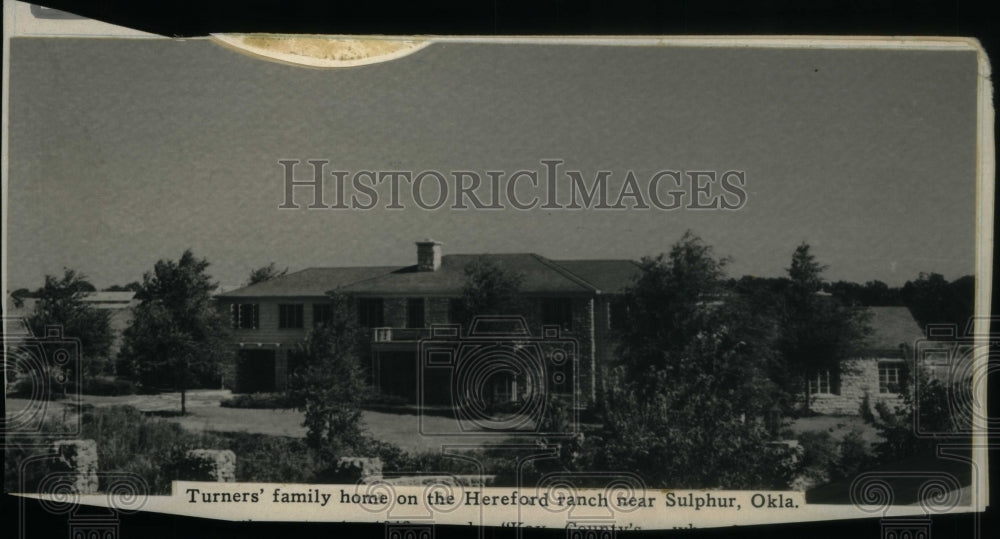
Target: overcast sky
x,y
123,152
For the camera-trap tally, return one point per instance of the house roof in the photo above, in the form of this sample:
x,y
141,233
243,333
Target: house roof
x,y
107,296
540,276
608,276
891,327
109,300
308,282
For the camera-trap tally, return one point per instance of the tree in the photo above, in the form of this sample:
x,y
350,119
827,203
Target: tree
x,y
872,293
489,289
820,332
933,300
934,401
177,334
331,384
689,394
18,296
60,303
134,286
265,273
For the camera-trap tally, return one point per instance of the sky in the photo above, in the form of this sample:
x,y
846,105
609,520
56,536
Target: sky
x,y
124,152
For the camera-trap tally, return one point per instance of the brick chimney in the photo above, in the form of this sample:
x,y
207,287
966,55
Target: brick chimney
x,y
428,255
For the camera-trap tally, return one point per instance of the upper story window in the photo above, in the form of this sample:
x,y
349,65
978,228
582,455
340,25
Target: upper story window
x,y
245,315
558,312
889,375
415,313
370,312
824,382
290,316
322,313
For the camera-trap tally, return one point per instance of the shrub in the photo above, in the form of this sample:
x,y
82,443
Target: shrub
x,y
256,462
819,455
854,455
897,425
18,470
25,387
865,410
262,401
107,386
128,441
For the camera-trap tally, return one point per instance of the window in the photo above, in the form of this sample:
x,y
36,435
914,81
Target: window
x,y
415,313
888,377
617,314
370,312
322,313
558,312
245,315
290,316
824,382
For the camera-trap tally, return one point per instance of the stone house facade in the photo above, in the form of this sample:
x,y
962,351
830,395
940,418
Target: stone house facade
x,y
877,374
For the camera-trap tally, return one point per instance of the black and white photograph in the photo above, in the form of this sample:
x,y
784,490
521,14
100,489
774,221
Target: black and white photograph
x,y
587,283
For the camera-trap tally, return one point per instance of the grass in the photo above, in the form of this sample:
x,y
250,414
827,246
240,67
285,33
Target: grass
x,y
837,426
410,432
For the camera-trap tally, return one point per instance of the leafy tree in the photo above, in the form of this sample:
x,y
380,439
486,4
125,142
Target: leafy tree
x,y
177,334
134,286
331,383
871,294
819,331
18,296
897,425
60,303
265,273
489,290
933,300
690,390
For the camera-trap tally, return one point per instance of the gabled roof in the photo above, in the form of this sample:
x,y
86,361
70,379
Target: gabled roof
x,y
891,327
314,282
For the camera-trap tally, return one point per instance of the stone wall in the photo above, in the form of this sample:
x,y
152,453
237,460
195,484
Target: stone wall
x,y
80,456
859,378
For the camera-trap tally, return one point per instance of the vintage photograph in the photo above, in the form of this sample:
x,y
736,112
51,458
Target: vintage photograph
x,y
553,266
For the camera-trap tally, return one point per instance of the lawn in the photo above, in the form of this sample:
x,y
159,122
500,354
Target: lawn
x,y
205,414
403,430
837,426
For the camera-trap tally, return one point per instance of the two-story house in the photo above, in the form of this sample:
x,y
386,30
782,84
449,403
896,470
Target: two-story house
x,y
399,305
